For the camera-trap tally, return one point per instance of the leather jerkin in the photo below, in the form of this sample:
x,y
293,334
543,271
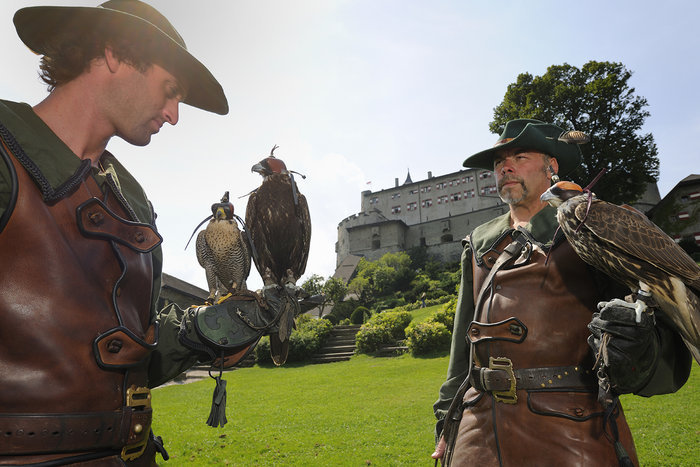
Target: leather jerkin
x,y
544,427
76,280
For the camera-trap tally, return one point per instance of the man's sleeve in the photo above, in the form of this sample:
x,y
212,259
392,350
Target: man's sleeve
x,y
170,357
459,354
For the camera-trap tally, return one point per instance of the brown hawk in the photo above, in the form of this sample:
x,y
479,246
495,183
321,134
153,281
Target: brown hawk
x,y
223,252
624,244
278,222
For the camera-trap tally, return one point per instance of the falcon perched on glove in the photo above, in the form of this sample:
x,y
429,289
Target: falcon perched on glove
x,y
624,244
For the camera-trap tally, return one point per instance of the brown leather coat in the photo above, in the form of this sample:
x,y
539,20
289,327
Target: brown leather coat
x,y
548,424
75,308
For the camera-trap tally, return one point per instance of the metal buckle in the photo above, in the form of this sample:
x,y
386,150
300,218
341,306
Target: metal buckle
x,y
503,363
140,399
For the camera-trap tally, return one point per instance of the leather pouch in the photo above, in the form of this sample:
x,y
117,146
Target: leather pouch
x,y
573,405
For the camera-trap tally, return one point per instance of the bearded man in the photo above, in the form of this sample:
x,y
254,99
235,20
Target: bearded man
x,y
520,387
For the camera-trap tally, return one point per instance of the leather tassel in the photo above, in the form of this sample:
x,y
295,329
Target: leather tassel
x,y
217,416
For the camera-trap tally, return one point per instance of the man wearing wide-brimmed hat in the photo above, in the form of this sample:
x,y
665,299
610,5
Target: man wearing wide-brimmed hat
x,y
80,341
520,388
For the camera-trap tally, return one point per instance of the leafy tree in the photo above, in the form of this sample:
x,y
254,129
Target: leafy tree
x,y
390,273
335,289
313,285
332,290
598,100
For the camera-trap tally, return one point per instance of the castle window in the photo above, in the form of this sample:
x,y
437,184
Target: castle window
x,y
487,190
484,175
456,196
683,216
396,210
469,193
412,206
426,203
376,242
442,199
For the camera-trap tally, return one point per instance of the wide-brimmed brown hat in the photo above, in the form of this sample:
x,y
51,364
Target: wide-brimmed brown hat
x,y
39,26
527,133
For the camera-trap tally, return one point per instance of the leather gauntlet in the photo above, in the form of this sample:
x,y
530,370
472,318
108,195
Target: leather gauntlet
x,y
629,349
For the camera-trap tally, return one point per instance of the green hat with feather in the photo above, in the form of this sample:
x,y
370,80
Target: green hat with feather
x,y
527,133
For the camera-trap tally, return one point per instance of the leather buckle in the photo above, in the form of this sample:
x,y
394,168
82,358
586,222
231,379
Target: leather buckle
x,y
139,398
503,363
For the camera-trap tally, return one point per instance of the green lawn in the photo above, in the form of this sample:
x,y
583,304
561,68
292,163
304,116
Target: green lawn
x,y
421,314
367,411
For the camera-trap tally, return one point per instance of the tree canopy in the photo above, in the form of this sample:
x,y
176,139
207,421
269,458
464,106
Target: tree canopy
x,y
332,290
598,100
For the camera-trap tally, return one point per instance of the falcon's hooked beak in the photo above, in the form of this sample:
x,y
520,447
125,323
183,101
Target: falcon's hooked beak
x,y
560,192
260,169
551,198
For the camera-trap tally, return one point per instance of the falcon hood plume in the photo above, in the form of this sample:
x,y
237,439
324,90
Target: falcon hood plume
x,y
279,225
624,244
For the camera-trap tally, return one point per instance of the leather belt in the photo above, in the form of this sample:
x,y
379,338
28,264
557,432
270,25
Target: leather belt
x,y
571,377
127,429
53,433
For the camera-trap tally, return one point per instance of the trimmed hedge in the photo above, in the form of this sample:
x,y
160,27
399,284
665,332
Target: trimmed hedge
x,y
305,340
382,329
360,315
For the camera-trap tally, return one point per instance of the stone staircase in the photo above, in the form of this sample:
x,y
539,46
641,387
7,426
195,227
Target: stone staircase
x,y
339,346
398,348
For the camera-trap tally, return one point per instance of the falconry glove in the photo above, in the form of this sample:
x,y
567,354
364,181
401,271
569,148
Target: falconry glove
x,y
626,347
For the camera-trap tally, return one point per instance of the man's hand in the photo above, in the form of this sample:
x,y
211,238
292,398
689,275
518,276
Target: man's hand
x,y
439,450
629,349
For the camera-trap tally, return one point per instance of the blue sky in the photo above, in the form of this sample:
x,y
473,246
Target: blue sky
x,y
362,91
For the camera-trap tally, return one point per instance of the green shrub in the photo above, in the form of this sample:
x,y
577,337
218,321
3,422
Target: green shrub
x,y
332,318
382,329
371,337
427,337
360,315
343,310
446,315
304,341
262,351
